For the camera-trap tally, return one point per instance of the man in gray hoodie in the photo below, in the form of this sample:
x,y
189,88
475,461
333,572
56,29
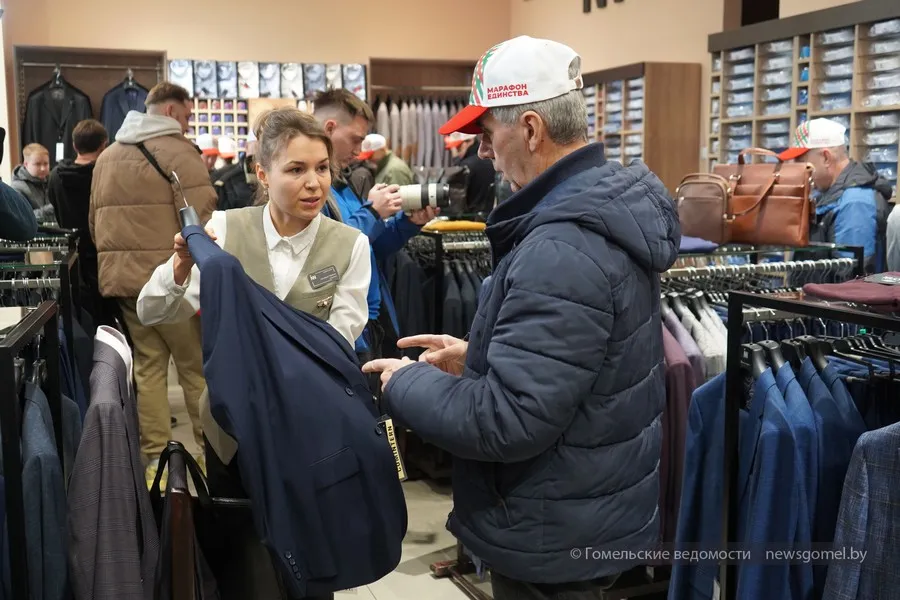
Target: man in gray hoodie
x,y
30,180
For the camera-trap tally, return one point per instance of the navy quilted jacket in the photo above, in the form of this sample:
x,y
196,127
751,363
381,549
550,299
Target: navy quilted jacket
x,y
555,424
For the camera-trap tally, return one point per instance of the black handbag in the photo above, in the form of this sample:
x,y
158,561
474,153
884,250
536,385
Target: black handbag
x,y
187,528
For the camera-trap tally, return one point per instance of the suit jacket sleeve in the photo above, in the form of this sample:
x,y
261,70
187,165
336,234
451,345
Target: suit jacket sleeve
x,y
852,524
533,382
17,222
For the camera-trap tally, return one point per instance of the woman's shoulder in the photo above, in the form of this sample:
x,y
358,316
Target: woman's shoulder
x,y
337,228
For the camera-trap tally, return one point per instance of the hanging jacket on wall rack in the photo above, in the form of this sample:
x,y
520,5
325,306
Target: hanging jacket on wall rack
x,y
118,101
51,113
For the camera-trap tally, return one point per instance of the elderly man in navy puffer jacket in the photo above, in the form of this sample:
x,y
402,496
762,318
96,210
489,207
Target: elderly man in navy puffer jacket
x,y
552,408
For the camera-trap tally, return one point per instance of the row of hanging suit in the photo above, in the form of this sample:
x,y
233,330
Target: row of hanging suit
x,y
818,441
411,127
54,109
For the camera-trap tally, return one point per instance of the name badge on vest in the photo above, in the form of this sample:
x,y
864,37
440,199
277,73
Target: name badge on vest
x,y
323,277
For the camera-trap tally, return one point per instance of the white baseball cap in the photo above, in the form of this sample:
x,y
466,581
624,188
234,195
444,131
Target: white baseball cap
x,y
372,143
207,144
456,139
518,71
227,147
817,133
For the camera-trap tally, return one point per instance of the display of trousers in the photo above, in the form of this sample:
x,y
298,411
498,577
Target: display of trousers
x,y
153,346
420,127
383,122
504,588
405,132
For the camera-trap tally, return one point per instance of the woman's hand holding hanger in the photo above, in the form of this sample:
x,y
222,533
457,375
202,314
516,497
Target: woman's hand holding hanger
x,y
184,262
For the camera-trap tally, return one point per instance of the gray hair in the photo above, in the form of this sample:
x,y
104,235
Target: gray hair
x,y
565,116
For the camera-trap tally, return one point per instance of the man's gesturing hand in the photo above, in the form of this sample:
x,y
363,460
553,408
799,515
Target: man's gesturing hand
x,y
387,367
385,200
445,352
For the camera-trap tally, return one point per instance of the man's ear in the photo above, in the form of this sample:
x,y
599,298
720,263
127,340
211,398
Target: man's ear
x,y
330,126
533,130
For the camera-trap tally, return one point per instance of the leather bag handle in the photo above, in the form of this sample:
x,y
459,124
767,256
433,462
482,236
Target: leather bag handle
x,y
755,152
766,188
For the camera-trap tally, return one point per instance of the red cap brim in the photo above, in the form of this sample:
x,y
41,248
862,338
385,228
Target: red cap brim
x,y
792,153
365,155
210,152
465,121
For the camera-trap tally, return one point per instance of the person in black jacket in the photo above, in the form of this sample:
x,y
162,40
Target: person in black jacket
x,y
17,222
69,191
480,197
30,180
236,184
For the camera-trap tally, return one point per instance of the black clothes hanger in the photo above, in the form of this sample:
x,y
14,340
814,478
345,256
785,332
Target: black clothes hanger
x,y
794,353
815,350
773,353
753,358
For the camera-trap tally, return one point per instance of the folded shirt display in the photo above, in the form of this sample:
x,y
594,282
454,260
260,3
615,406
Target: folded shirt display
x,y
883,297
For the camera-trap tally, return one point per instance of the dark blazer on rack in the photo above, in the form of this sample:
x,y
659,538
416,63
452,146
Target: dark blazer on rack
x,y
44,495
113,541
49,120
315,464
116,104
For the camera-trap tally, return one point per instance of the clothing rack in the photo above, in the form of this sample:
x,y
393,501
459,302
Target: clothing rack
x,y
762,268
157,68
42,321
734,382
443,243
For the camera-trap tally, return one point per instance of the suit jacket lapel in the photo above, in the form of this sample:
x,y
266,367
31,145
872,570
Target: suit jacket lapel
x,y
122,99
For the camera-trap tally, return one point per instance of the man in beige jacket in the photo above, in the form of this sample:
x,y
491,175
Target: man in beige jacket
x,y
133,220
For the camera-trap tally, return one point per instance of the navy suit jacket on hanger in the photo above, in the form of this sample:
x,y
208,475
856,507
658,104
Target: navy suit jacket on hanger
x,y
316,465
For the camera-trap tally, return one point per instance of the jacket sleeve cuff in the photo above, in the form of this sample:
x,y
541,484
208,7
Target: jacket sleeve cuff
x,y
397,389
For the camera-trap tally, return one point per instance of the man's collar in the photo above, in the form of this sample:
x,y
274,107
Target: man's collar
x,y
298,242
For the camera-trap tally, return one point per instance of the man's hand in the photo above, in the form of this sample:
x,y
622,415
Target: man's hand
x,y
183,262
387,367
421,217
445,352
385,199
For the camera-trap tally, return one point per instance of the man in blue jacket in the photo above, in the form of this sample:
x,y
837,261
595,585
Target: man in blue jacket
x,y
552,408
346,120
852,208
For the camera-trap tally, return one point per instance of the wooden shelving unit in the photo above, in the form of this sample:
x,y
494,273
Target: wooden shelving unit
x,y
648,112
841,63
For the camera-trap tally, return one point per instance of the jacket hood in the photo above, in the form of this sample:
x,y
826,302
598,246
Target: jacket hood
x,y
140,127
21,174
70,172
629,206
856,174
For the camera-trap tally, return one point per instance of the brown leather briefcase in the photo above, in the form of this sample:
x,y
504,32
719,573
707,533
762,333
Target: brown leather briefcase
x,y
760,204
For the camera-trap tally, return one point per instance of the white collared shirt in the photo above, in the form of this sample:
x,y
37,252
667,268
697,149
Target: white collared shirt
x,y
162,301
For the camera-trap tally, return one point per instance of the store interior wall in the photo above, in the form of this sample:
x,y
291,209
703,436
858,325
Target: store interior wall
x,y
628,32
790,8
6,164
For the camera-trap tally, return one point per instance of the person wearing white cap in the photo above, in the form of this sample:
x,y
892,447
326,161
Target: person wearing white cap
x,y
552,408
480,179
389,168
227,149
209,150
852,208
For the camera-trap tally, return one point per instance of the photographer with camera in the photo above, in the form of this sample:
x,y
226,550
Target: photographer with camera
x,y
346,120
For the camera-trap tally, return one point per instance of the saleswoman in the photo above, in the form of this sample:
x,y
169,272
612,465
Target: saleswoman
x,y
309,261
313,263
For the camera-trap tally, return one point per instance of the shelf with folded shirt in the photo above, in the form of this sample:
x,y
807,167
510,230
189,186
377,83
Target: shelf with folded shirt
x,y
839,380
839,63
102,83
221,117
660,97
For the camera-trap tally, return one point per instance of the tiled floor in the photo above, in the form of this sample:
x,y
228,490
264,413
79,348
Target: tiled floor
x,y
427,540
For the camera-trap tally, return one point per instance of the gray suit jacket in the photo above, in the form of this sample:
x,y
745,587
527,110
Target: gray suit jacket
x,y
44,495
870,511
113,540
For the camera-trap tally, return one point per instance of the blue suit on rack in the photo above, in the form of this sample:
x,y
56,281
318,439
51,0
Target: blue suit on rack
x,y
838,427
316,466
